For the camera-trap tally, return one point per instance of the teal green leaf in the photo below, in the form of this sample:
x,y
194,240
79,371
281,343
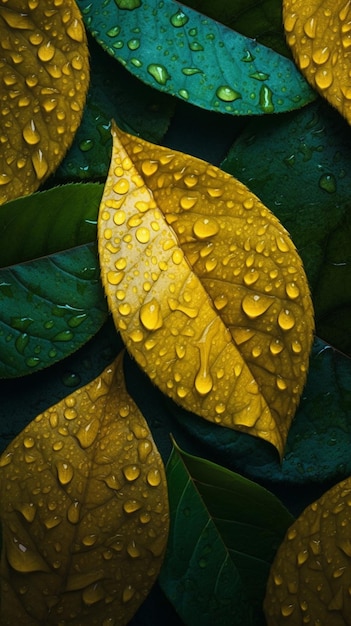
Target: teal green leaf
x,y
224,533
307,186
261,20
51,299
317,449
49,307
48,221
115,94
179,51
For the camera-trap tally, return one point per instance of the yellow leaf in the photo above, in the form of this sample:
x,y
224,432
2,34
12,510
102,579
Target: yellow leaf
x,y
44,74
84,511
206,288
319,35
310,578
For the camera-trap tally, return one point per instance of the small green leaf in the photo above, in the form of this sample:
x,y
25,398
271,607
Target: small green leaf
x,y
175,49
49,308
224,533
308,188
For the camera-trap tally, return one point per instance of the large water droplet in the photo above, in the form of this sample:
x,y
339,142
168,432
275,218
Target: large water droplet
x,y
205,227
227,94
87,434
150,315
158,72
65,472
286,320
179,19
130,506
153,477
255,305
23,559
328,183
30,133
73,512
266,99
131,472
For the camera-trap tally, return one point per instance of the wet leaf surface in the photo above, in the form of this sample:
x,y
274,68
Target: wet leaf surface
x,y
318,34
49,308
310,575
197,59
44,79
223,322
307,186
218,557
86,514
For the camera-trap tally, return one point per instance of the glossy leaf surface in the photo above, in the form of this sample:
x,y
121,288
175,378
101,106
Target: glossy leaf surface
x,y
177,50
44,75
85,520
310,576
224,533
311,151
319,36
49,308
206,288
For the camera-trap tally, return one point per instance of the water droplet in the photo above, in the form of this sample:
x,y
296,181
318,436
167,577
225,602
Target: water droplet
x,y
22,342
144,449
73,512
321,55
287,609
302,557
52,521
87,434
191,71
128,593
143,234
28,511
275,347
254,305
195,46
149,167
130,506
113,32
23,559
30,133
93,594
251,277
179,19
6,459
266,99
40,164
227,94
158,72
75,30
310,27
122,186
205,227
324,78
46,52
259,76
153,477
328,183
131,472
150,315
64,472
65,335
286,320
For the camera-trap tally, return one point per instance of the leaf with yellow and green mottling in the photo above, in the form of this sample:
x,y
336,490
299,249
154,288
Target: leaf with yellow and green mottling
x,y
84,510
318,34
44,75
206,288
310,578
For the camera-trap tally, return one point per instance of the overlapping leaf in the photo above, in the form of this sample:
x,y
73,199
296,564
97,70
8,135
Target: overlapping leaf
x,y
85,521
177,50
206,288
44,75
50,291
310,577
319,36
224,534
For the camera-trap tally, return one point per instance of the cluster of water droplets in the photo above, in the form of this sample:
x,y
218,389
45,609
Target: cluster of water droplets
x,y
322,58
84,502
43,75
204,288
310,579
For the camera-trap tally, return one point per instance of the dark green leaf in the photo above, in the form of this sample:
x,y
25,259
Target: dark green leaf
x,y
49,308
306,184
113,94
48,221
258,19
224,533
177,50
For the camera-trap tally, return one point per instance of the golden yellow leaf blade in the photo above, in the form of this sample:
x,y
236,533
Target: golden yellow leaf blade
x,y
310,578
84,510
179,257
318,34
44,75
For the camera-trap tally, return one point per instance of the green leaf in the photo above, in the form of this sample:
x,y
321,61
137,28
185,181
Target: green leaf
x,y
224,533
48,221
179,51
261,20
307,187
317,449
49,308
115,94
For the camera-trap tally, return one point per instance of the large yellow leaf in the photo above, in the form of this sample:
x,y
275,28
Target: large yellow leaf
x,y
310,578
84,511
205,287
319,34
44,75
